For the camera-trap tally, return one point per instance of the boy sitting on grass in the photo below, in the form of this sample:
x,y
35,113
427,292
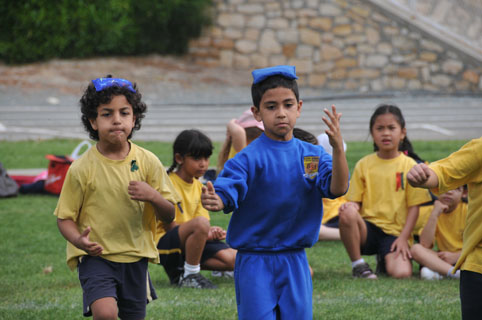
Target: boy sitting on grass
x,y
275,187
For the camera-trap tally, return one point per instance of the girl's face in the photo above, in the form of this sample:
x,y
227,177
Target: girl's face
x,y
387,135
114,121
191,167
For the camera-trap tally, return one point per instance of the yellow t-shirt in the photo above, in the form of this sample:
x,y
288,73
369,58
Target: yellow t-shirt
x,y
423,215
330,208
95,194
465,167
190,203
232,153
381,186
450,228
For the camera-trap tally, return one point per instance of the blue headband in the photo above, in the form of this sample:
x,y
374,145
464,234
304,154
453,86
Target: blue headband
x,y
285,71
103,83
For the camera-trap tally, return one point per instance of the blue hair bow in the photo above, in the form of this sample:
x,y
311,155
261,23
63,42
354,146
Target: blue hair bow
x,y
103,83
285,71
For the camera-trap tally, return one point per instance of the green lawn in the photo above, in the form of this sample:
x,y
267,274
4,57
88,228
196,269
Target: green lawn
x,y
30,243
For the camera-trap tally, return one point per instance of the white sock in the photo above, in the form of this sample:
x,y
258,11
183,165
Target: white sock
x,y
191,269
456,275
357,262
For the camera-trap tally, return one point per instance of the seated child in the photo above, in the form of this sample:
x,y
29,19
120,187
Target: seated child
x,y
445,227
274,188
189,243
382,208
239,133
110,201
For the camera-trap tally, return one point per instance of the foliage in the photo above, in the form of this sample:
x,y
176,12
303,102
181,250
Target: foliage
x,y
40,29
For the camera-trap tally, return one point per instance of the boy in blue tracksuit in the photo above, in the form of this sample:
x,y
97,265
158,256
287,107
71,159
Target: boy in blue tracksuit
x,y
274,187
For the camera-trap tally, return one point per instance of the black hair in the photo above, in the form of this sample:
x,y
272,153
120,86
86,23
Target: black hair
x,y
304,135
276,81
405,145
192,143
92,99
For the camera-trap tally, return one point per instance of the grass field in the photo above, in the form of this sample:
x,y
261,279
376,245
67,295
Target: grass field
x,y
31,244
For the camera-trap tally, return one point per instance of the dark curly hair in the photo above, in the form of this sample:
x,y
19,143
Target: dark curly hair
x,y
92,99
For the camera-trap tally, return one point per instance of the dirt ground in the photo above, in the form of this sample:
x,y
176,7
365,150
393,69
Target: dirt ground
x,y
150,73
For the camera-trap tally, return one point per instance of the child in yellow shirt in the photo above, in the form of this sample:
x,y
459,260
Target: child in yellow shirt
x,y
444,227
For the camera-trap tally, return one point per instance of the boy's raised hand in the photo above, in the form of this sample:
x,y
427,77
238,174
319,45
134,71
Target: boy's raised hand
x,y
83,242
210,200
333,131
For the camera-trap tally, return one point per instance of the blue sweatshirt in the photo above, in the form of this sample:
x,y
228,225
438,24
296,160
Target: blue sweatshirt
x,y
275,189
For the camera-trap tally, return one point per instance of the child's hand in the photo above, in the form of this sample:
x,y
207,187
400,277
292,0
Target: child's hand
x,y
140,190
217,233
333,132
83,243
210,200
400,246
439,207
419,174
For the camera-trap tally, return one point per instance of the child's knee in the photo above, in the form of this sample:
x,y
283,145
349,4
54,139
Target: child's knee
x,y
201,224
347,216
416,250
398,269
104,308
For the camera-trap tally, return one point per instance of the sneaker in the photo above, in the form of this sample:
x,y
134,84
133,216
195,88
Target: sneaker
x,y
427,274
363,270
223,274
196,280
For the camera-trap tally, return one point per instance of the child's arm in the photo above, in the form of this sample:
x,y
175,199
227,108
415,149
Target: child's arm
x,y
422,176
237,134
428,233
339,178
400,245
142,191
71,233
210,200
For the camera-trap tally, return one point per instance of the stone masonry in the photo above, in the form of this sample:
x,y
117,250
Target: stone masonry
x,y
348,45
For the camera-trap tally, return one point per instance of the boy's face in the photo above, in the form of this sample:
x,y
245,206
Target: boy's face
x,y
452,198
278,110
114,121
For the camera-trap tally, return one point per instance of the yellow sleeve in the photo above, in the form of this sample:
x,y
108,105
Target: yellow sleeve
x,y
71,197
357,184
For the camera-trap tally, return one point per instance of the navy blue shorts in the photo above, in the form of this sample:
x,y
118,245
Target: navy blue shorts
x,y
128,283
378,242
470,294
273,285
333,222
172,258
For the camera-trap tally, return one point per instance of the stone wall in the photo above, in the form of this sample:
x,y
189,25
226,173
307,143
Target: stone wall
x,y
463,17
335,44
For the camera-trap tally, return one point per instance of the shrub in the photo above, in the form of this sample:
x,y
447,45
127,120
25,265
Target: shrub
x,y
33,30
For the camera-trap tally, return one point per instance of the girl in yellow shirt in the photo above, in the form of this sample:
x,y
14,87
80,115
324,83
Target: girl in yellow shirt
x,y
382,208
